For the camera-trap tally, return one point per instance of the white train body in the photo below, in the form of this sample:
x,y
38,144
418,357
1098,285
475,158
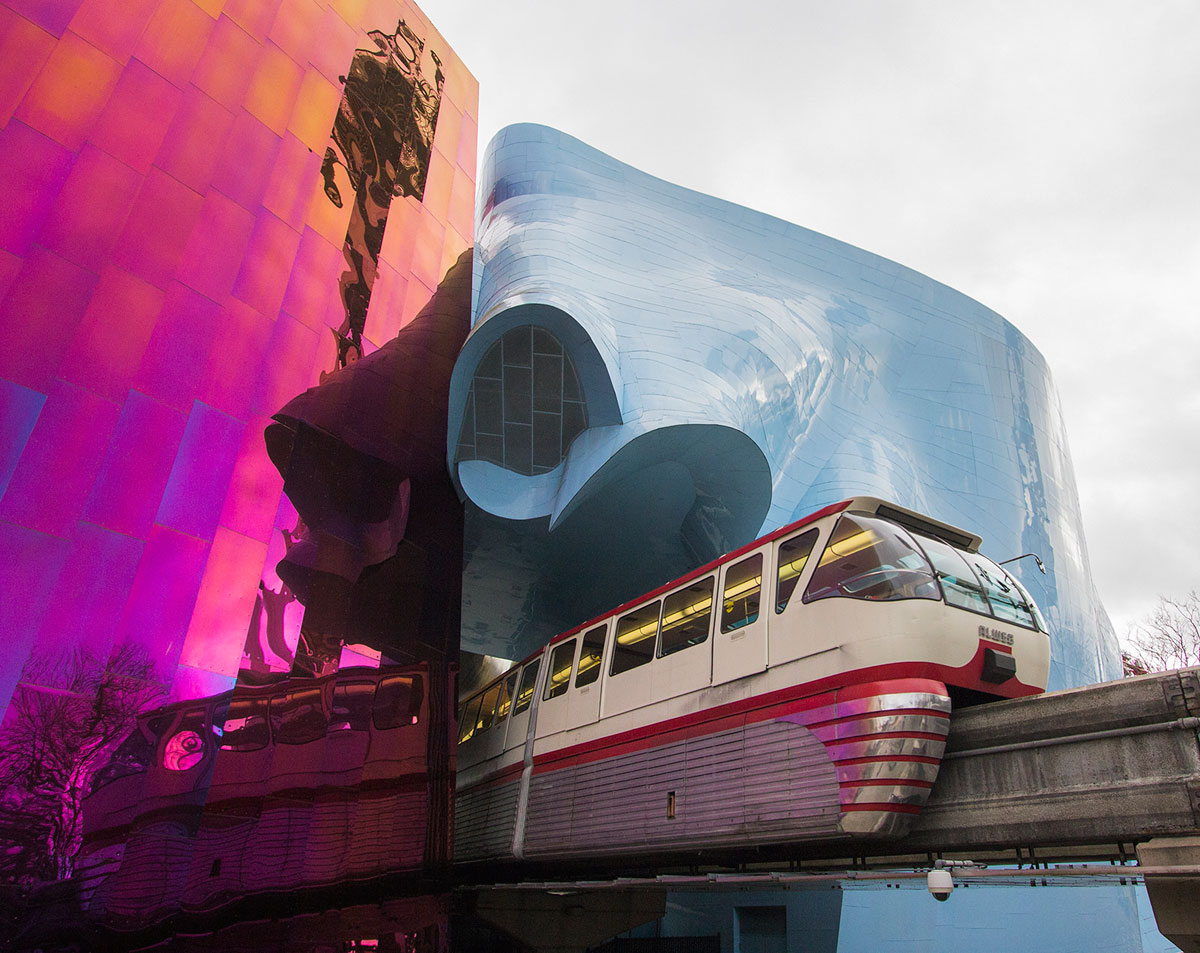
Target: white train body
x,y
796,689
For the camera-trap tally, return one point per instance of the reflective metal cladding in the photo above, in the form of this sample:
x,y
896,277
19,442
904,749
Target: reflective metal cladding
x,y
655,376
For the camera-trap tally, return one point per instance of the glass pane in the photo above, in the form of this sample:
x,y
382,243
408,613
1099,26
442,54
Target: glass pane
x,y
589,657
959,583
635,638
518,345
1008,602
506,696
245,725
298,717
743,586
469,719
686,617
793,557
487,709
528,680
398,701
352,705
869,558
560,669
1033,606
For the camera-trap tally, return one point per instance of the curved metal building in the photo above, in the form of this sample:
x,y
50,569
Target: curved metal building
x,y
656,376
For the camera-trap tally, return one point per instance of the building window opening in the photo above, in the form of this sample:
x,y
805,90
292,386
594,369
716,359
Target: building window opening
x,y
525,406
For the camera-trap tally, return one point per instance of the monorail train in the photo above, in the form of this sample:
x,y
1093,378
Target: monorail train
x,y
300,783
796,689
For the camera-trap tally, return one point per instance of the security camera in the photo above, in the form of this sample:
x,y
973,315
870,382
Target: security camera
x,y
940,884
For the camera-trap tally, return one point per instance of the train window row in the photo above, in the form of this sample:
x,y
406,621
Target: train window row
x,y
870,558
865,558
493,706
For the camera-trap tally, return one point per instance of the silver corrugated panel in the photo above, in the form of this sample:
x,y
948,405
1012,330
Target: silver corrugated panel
x,y
734,786
483,822
884,748
890,770
879,723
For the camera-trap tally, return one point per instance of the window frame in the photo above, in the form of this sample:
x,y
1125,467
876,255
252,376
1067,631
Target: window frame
x,y
661,650
746,620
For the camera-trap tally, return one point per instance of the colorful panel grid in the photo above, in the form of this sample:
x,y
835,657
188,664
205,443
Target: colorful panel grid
x,y
173,273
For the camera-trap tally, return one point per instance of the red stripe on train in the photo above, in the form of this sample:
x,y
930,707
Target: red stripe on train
x,y
922,735
885,782
745,711
883,758
878,713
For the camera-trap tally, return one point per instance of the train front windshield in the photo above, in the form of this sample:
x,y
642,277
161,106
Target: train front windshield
x,y
875,559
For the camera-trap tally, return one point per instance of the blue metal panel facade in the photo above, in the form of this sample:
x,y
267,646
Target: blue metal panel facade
x,y
738,372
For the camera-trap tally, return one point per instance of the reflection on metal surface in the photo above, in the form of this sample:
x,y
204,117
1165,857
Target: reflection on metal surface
x,y
838,371
381,142
888,748
345,759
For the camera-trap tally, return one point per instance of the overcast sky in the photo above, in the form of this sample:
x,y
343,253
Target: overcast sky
x,y
1041,157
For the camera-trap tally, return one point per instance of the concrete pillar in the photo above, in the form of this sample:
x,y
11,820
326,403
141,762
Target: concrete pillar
x,y
1176,900
556,922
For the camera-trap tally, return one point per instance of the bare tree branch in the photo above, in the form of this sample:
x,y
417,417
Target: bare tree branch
x,y
65,719
1169,637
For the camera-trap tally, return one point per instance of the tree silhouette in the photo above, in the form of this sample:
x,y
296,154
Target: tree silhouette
x,y
1169,637
64,722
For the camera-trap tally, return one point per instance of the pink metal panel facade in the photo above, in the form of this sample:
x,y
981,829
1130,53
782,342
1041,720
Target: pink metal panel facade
x,y
169,265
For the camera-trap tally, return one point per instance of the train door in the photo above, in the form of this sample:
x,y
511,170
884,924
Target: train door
x,y
518,721
790,635
628,681
740,644
583,700
684,657
554,708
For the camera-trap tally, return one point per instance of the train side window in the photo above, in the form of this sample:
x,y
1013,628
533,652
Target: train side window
x,y
743,586
636,633
528,681
590,655
1008,602
869,558
245,725
398,701
686,616
793,557
506,697
185,748
487,710
959,583
1033,606
298,717
469,719
561,659
352,705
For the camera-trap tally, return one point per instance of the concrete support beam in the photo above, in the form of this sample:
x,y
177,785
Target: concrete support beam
x,y
554,922
1107,764
1176,900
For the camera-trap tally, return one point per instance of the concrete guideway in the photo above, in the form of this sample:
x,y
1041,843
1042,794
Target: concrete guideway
x,y
1098,774
1074,773
1100,766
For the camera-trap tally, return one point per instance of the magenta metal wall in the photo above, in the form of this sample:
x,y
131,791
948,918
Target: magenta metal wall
x,y
170,271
